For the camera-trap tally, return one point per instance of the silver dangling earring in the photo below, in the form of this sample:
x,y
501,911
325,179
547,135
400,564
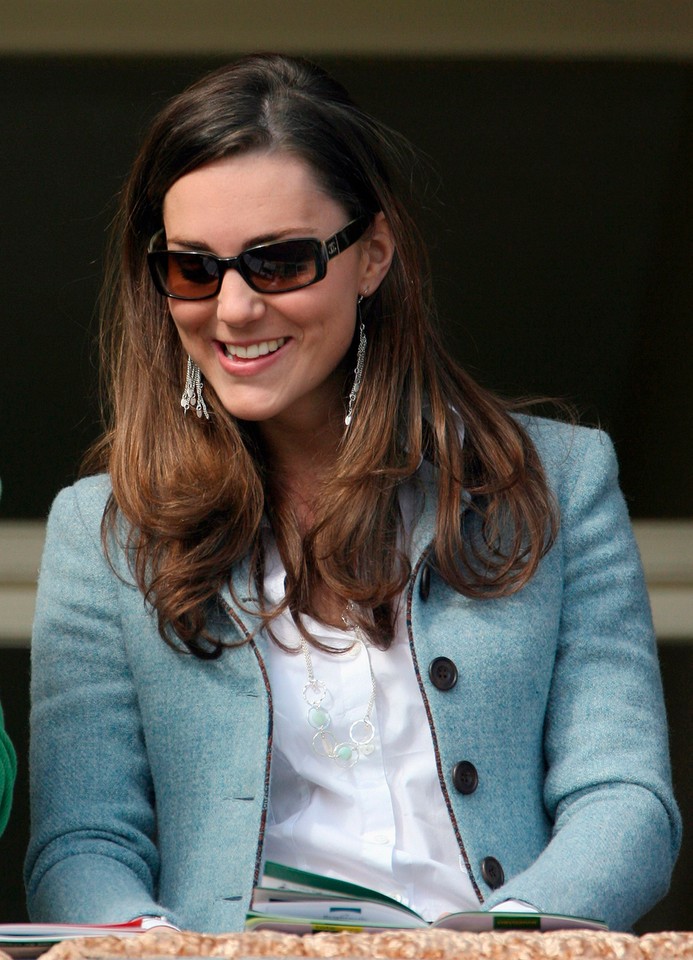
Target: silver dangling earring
x,y
192,394
360,357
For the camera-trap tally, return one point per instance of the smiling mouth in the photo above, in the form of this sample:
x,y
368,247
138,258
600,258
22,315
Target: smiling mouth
x,y
253,350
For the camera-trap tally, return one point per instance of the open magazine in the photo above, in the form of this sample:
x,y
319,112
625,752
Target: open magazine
x,y
33,939
295,901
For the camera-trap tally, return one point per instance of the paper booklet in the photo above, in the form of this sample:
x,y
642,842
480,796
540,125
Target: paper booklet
x,y
33,939
295,901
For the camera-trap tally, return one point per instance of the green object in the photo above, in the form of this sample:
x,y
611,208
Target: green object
x,y
296,901
318,718
8,772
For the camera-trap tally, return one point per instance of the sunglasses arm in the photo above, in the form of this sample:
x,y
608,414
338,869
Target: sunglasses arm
x,y
346,237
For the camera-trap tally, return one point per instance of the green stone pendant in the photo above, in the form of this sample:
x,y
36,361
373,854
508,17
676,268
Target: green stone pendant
x,y
345,754
318,718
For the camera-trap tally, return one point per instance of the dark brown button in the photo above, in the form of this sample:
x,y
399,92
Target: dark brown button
x,y
443,673
425,582
464,777
492,872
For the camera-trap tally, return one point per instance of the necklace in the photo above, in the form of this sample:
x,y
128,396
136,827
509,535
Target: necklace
x,y
361,732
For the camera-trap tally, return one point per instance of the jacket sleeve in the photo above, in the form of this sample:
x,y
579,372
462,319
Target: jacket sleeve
x,y
92,855
8,772
607,790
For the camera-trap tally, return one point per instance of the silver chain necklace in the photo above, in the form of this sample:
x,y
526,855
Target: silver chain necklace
x,y
361,732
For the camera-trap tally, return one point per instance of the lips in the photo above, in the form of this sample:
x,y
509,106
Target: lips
x,y
252,351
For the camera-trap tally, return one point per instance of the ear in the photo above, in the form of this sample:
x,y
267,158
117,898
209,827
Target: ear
x,y
377,248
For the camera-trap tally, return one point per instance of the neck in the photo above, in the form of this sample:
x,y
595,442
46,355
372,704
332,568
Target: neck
x,y
309,430
299,455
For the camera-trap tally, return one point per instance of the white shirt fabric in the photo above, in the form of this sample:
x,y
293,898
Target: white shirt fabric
x,y
381,823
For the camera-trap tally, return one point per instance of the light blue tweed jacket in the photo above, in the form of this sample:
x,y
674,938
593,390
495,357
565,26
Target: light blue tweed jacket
x,y
150,769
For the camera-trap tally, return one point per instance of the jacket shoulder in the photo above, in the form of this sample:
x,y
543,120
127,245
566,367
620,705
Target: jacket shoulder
x,y
74,521
569,451
86,499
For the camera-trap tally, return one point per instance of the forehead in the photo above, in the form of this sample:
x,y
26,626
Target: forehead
x,y
240,197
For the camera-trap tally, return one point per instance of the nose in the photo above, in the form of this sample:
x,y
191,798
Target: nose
x,y
237,303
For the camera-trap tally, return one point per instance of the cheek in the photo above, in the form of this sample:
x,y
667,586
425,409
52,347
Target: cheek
x,y
334,311
330,332
188,318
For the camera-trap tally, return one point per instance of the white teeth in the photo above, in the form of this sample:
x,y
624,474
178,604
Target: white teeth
x,y
253,350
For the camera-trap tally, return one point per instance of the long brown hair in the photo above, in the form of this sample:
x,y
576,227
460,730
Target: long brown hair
x,y
193,493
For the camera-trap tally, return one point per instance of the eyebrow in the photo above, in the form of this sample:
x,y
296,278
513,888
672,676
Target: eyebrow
x,y
289,233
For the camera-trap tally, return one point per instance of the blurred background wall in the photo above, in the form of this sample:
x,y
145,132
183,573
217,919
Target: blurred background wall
x,y
560,220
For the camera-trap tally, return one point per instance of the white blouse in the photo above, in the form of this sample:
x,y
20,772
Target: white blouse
x,y
382,822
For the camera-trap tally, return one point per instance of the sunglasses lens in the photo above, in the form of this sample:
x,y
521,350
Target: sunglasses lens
x,y
270,268
186,275
282,266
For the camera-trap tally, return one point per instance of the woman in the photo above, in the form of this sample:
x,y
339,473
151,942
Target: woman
x,y
345,609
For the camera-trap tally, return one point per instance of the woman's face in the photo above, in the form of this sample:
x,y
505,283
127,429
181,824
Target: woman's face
x,y
270,357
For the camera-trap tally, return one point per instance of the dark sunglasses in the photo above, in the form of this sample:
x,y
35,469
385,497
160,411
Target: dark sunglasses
x,y
268,268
